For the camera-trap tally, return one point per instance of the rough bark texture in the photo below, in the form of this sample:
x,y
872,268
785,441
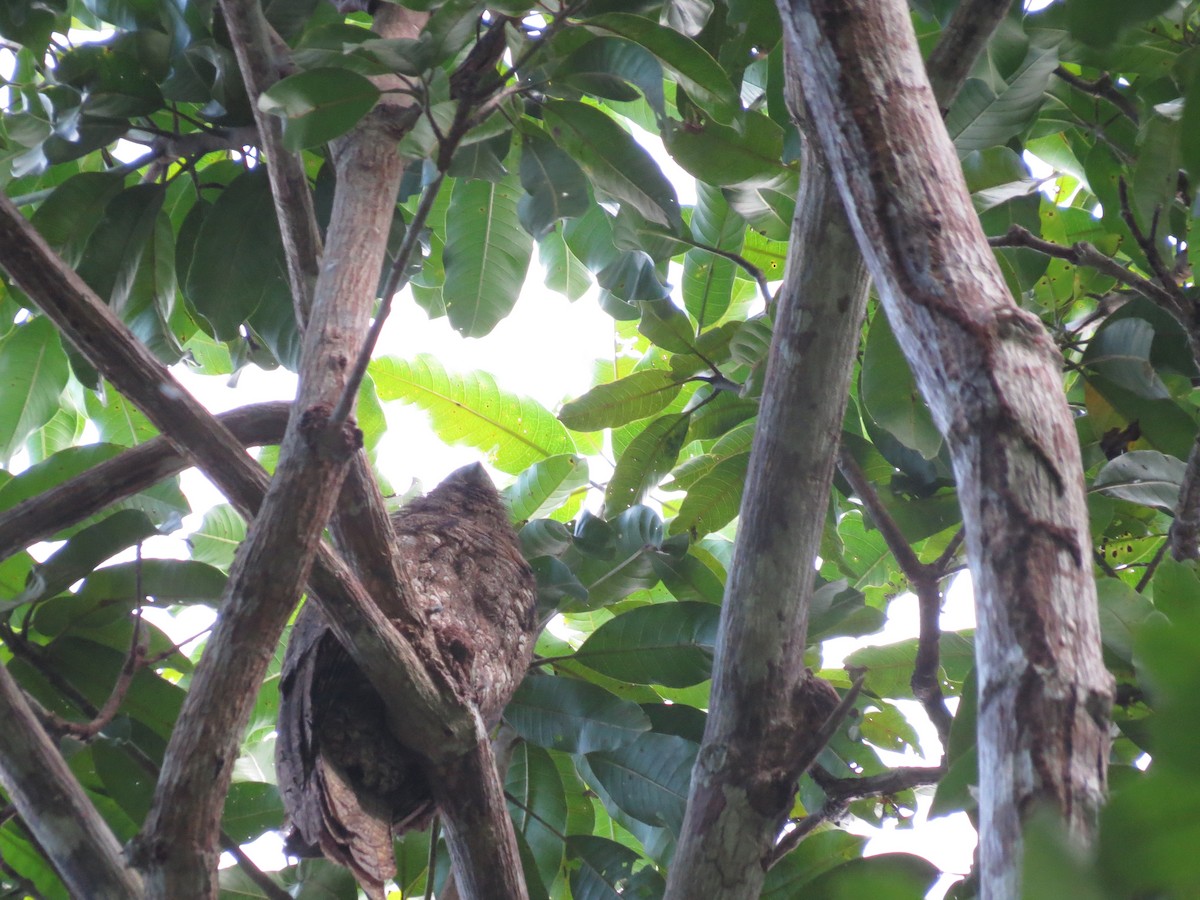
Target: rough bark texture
x,y
991,376
54,807
744,779
347,781
741,789
178,846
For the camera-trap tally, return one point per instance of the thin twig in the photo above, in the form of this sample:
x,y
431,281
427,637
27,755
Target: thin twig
x,y
1103,87
1152,566
925,580
1146,242
269,888
830,810
1085,254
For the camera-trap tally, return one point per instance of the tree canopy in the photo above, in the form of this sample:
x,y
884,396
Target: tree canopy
x,y
191,179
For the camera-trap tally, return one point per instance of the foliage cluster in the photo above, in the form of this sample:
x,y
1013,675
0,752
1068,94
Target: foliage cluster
x,y
182,242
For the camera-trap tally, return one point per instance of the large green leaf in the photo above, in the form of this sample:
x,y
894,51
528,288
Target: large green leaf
x,y
705,80
887,876
318,105
714,500
513,431
614,161
1143,476
251,807
545,486
666,643
71,213
565,273
649,457
889,667
723,155
218,537
708,278
649,778
486,255
86,550
114,252
555,186
538,804
890,395
573,716
33,374
604,870
619,402
982,118
237,265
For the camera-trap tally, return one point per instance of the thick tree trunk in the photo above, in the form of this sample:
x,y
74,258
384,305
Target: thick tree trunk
x,y
992,378
742,788
745,776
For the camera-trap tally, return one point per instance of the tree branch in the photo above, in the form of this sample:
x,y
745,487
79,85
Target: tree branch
x,y
1104,88
250,36
54,806
743,781
39,518
1085,254
1184,537
925,580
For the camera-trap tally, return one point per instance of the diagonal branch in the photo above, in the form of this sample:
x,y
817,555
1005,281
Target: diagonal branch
x,y
925,580
37,779
39,518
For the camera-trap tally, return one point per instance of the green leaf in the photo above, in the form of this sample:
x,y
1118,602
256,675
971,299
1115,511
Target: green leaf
x,y
667,326
721,155
619,402
318,105
545,486
515,432
698,576
33,374
889,667
86,550
538,804
887,876
649,778
555,186
698,73
605,870
714,500
565,273
1120,352
250,809
164,582
1122,613
707,278
614,161
67,218
605,67
981,118
768,207
237,263
115,249
649,457
1100,22
573,716
815,855
667,643
486,255
890,395
217,539
1142,476
686,16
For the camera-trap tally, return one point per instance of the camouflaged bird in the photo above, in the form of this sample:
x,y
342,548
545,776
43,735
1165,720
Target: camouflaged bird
x,y
348,783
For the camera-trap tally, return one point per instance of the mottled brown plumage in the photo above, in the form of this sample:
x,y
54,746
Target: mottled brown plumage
x,y
347,782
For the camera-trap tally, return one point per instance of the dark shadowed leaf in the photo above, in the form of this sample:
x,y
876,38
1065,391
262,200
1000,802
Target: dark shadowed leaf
x,y
630,398
614,161
318,105
573,716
